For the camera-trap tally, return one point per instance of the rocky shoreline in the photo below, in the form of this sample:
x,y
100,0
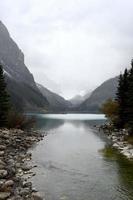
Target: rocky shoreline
x,y
15,170
119,142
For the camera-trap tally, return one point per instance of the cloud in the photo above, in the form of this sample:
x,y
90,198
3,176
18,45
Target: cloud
x,y
77,43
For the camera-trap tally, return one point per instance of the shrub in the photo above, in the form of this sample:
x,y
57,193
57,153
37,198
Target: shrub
x,y
19,120
110,109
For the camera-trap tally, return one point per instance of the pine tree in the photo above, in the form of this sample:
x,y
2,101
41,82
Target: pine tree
x,y
4,100
121,98
129,110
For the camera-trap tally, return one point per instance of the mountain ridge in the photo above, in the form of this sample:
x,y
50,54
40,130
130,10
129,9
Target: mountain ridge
x,y
56,102
18,76
103,92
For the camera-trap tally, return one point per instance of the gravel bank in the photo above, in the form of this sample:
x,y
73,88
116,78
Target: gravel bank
x,y
15,170
119,142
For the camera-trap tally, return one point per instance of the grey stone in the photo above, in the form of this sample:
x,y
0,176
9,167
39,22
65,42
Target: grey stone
x,y
2,181
27,184
115,145
9,183
2,166
3,173
26,167
11,162
2,147
5,132
24,192
2,153
2,163
6,136
36,196
4,195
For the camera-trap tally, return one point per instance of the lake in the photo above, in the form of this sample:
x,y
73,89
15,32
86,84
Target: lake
x,y
76,161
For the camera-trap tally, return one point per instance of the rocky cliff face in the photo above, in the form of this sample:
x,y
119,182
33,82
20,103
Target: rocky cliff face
x,y
21,85
13,59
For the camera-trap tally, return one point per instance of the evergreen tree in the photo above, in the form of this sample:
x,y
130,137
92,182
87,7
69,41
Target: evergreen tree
x,y
121,98
129,109
4,100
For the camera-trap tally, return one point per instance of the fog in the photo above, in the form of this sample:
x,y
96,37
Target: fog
x,y
72,46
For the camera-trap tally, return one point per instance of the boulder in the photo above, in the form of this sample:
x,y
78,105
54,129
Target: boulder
x,y
4,195
9,183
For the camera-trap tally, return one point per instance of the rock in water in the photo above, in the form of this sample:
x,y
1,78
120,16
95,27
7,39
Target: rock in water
x,y
36,196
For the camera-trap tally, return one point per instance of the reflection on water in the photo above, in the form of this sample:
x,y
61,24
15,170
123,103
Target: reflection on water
x,y
125,170
52,121
47,124
76,162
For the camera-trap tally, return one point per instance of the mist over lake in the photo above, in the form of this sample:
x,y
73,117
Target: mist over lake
x,y
66,100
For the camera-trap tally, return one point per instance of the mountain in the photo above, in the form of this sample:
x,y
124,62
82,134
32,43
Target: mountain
x,y
87,95
99,96
56,102
76,100
20,82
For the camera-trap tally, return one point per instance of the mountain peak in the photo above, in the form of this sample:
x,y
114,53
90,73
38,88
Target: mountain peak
x,y
20,82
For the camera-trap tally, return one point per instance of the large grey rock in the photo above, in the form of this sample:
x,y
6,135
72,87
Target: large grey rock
x,y
4,195
9,183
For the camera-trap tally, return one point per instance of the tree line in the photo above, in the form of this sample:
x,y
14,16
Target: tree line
x,y
120,110
4,100
9,117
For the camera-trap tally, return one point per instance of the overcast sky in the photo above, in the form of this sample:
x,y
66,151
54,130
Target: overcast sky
x,y
72,46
